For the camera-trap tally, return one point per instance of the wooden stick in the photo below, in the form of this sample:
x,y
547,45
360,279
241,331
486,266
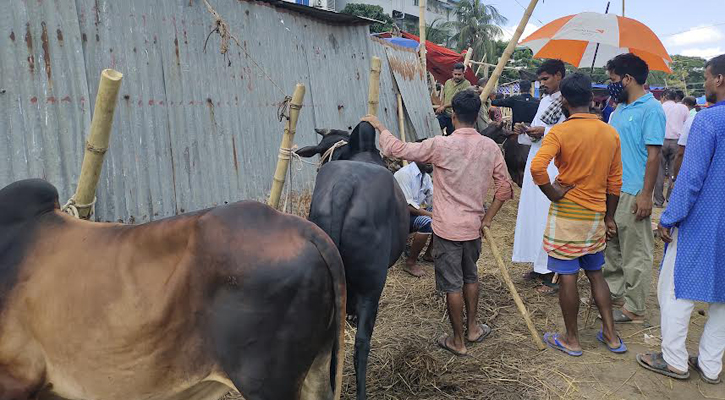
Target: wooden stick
x,y
480,64
285,148
374,86
401,122
512,289
509,50
467,58
421,28
97,142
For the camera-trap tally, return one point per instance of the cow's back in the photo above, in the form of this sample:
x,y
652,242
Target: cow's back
x,y
362,208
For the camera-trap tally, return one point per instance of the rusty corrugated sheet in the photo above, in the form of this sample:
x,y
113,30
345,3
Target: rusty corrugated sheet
x,y
192,129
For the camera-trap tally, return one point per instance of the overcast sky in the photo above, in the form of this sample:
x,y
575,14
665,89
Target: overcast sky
x,y
690,28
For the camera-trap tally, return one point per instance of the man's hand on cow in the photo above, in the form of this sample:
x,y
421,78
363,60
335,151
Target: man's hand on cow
x,y
520,128
642,206
440,110
374,121
665,233
611,227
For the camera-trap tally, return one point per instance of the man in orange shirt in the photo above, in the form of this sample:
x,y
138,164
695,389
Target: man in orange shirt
x,y
583,198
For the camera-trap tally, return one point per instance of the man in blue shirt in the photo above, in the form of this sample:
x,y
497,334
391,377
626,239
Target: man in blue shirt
x,y
694,226
640,122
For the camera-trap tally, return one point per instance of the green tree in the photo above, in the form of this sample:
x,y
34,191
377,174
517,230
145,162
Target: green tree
x,y
477,26
372,12
437,32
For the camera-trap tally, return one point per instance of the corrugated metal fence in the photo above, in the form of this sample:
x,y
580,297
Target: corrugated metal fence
x,y
192,129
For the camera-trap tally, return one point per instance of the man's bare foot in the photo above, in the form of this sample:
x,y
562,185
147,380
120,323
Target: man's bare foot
x,y
477,333
612,340
650,360
412,268
624,316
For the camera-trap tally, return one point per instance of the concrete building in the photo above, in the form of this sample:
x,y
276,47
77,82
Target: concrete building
x,y
404,12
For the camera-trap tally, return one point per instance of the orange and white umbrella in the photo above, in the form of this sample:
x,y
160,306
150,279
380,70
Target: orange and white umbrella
x,y
574,39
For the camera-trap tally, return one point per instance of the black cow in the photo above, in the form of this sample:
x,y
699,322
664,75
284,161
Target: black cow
x,y
359,204
515,154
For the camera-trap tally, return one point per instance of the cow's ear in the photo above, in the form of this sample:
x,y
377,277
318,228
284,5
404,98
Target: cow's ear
x,y
308,151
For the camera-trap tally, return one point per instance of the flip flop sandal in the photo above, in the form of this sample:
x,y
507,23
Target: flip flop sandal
x,y
486,332
621,318
547,288
619,350
692,362
442,343
659,365
556,345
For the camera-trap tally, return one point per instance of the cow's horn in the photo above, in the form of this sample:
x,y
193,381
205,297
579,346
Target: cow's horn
x,y
322,132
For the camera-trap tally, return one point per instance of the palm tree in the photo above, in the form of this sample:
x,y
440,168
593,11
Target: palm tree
x,y
478,26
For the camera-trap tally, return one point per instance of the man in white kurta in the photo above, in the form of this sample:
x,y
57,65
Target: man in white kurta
x,y
533,204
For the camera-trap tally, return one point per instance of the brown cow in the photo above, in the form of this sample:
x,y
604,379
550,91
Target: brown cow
x,y
239,296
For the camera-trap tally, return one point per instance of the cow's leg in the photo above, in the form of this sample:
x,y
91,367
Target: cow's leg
x,y
318,384
367,312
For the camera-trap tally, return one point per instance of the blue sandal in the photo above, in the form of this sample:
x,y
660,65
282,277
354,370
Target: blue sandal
x,y
619,350
556,345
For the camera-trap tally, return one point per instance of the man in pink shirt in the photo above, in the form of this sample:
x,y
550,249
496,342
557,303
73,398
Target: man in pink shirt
x,y
676,114
463,165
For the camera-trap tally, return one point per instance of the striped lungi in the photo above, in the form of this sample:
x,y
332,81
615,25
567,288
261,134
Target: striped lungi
x,y
573,231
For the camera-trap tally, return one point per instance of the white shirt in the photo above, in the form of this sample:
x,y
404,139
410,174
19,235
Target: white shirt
x,y
417,186
682,141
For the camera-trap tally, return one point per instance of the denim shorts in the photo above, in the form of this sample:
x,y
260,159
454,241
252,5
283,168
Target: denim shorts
x,y
589,262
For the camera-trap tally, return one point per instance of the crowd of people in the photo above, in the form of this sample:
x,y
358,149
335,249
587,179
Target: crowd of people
x,y
590,186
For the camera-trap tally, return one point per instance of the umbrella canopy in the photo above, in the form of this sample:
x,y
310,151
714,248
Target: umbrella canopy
x,y
574,39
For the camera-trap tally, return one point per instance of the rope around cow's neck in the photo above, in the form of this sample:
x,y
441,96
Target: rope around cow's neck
x,y
329,153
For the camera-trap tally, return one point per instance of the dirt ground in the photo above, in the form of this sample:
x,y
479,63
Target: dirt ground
x,y
405,363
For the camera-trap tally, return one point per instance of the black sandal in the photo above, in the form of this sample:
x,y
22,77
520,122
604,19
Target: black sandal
x,y
659,365
692,362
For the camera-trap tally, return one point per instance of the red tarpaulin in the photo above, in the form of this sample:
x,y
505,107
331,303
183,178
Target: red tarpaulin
x,y
440,60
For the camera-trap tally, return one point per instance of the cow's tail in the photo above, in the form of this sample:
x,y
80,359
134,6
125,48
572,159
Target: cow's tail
x,y
337,273
339,204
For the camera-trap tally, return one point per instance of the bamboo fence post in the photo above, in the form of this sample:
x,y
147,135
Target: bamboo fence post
x,y
401,122
285,148
374,86
512,289
81,204
421,28
507,53
467,58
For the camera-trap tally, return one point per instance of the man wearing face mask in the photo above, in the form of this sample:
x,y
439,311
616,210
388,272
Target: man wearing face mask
x,y
640,122
452,87
534,205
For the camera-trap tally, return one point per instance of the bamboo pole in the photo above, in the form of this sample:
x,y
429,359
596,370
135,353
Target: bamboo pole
x,y
512,289
480,64
509,50
401,122
81,204
467,58
374,86
285,148
421,28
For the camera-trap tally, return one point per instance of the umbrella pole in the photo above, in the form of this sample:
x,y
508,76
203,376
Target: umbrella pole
x,y
597,49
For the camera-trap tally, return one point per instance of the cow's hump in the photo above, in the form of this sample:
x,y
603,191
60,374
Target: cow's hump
x,y
26,199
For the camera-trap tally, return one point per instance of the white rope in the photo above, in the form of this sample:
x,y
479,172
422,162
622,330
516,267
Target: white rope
x,y
329,153
72,208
